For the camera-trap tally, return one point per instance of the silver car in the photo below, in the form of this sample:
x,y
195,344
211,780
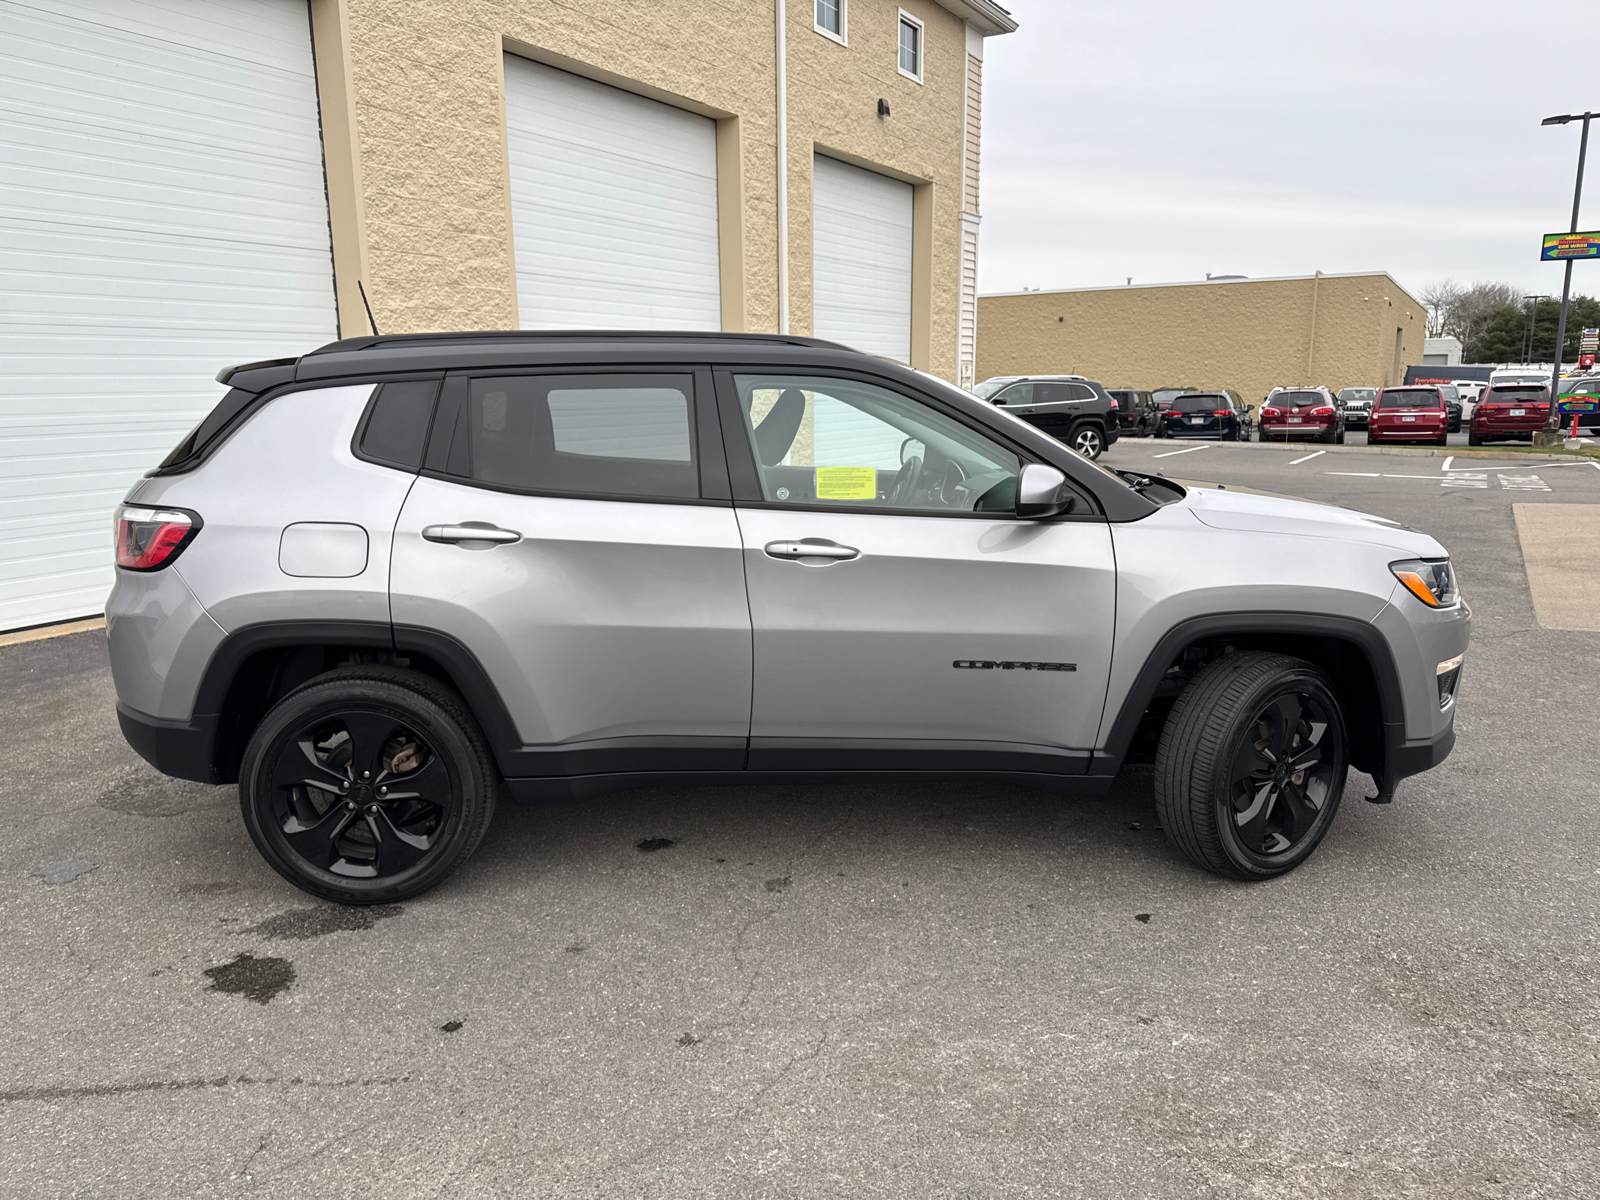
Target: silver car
x,y
390,582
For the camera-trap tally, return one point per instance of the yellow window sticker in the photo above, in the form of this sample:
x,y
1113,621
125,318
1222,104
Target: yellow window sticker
x,y
847,483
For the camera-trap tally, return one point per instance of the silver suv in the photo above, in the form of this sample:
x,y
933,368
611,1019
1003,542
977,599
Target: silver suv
x,y
389,582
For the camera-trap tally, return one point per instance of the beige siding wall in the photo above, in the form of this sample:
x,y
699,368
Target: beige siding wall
x,y
1250,335
430,214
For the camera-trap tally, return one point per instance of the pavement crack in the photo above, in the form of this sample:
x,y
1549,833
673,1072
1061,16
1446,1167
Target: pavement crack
x,y
749,1107
93,1091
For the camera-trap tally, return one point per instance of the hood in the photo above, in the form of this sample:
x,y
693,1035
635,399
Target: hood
x,y
1233,507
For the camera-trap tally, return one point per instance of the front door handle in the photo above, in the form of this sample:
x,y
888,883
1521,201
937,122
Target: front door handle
x,y
470,533
811,548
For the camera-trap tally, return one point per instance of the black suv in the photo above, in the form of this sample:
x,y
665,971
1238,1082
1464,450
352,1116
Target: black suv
x,y
1137,414
1069,408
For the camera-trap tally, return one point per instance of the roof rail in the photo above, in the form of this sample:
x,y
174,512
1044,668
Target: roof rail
x,y
347,345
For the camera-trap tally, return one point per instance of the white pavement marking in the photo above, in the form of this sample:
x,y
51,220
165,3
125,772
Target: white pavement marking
x,y
1523,483
1170,453
1360,474
1448,460
1307,458
1463,479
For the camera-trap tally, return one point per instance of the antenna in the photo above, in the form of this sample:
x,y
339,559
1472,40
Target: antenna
x,y
362,289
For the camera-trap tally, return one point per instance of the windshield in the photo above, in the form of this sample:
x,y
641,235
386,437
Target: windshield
x,y
1358,395
990,386
1199,402
1410,398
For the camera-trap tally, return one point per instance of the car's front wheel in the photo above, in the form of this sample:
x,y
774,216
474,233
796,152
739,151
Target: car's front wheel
x,y
367,785
1087,440
1251,765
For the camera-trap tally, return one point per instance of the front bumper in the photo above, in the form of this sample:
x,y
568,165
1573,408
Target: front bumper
x,y
1404,758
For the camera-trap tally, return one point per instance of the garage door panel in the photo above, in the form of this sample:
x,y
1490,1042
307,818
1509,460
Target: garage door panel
x,y
861,258
162,214
614,206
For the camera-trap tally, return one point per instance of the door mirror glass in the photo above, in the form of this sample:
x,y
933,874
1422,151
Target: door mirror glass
x,y
1042,492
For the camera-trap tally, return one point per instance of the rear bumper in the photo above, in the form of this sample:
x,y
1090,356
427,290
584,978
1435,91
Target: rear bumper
x,y
1507,429
1405,433
182,749
1293,431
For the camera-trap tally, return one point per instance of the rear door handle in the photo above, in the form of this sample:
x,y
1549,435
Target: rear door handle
x,y
470,533
811,548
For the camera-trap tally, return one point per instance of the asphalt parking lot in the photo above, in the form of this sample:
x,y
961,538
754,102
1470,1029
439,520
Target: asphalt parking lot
x,y
940,991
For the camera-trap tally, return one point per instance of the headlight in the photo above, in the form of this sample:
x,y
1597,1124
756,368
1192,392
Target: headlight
x,y
1431,581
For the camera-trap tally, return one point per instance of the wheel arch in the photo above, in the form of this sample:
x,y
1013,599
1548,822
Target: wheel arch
x,y
1352,653
257,666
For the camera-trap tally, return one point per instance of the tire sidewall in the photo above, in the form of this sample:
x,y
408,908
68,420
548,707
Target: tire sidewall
x,y
1246,861
331,698
1099,448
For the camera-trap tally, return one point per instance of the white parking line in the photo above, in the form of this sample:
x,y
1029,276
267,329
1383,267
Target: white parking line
x,y
1170,453
1359,474
1307,458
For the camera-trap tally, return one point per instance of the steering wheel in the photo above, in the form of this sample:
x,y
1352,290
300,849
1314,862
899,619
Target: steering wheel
x,y
905,482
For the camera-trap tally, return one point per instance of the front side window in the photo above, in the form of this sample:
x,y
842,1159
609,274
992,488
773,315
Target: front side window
x,y
910,46
831,17
841,443
597,435
1017,393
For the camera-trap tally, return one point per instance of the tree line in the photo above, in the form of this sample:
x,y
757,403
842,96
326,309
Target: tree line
x,y
1492,320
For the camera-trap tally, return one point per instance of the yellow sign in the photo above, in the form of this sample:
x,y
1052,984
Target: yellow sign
x,y
847,483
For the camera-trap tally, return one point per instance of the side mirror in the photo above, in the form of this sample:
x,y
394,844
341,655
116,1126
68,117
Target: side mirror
x,y
1042,492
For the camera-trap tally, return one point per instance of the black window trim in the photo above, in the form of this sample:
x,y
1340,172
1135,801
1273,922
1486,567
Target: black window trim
x,y
704,434
746,479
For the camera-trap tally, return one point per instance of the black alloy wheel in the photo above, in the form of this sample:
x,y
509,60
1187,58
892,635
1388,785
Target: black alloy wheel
x,y
367,785
1252,764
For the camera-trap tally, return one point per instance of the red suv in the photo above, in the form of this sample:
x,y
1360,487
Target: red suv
x,y
1409,414
1509,410
1301,412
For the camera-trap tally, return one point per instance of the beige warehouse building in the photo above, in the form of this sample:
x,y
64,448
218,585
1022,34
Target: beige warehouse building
x,y
194,183
1247,334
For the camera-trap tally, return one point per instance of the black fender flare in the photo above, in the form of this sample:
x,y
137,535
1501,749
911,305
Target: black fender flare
x,y
1366,638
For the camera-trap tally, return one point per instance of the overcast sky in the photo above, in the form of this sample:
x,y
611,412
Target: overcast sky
x,y
1163,139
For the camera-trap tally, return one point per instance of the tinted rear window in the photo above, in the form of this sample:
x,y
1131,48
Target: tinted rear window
x,y
1199,402
1299,399
598,435
1525,391
397,424
1418,398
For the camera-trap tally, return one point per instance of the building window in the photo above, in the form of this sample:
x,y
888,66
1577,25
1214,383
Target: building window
x,y
910,46
832,18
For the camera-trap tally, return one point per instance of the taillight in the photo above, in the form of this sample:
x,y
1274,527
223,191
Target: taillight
x,y
150,538
1271,412
1323,411
1114,404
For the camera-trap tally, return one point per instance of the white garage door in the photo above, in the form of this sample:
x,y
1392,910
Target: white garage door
x,y
162,215
861,259
613,206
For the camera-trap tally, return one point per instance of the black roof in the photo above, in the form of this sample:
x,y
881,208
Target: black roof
x,y
401,352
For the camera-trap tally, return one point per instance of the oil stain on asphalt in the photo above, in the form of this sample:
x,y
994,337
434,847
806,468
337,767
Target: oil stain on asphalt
x,y
258,979
300,924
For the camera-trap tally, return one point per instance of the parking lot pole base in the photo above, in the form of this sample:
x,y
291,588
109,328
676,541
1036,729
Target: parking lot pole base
x,y
1546,438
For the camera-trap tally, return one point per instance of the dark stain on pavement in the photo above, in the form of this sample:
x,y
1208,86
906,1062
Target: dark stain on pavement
x,y
651,845
689,1039
143,793
300,924
452,1026
1144,918
258,979
220,887
782,885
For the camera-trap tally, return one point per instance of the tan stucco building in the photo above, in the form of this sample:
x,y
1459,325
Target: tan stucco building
x,y
1247,334
421,155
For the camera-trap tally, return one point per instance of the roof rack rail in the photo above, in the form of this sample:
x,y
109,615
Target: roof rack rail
x,y
347,345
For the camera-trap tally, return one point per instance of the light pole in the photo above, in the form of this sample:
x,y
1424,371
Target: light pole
x,y
1551,434
1533,315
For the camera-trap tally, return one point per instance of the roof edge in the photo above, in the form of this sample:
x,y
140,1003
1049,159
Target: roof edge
x,y
987,16
1133,287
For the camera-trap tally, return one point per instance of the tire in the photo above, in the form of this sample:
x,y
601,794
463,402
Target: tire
x,y
350,842
1473,437
1339,440
1444,439
1087,439
1328,436
1206,770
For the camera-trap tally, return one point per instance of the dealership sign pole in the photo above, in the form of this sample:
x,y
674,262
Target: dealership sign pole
x,y
1573,246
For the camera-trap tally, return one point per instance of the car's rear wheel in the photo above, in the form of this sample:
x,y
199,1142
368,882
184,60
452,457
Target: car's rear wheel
x,y
1339,438
367,785
1251,765
1087,440
1444,438
1474,438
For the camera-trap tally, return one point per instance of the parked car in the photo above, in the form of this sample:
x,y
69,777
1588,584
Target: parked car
x,y
423,572
1357,405
1415,413
1509,410
992,385
1137,414
1302,412
1469,390
1219,416
1164,396
1070,408
1452,406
